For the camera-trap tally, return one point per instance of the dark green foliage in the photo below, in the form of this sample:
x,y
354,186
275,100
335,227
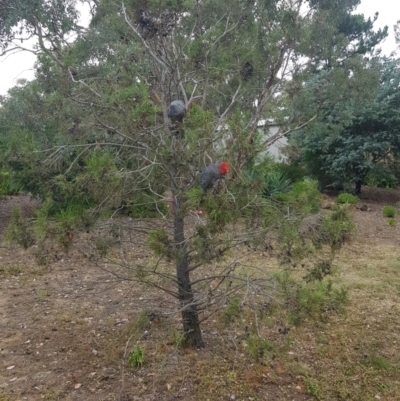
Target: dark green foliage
x,y
346,198
359,139
389,211
381,176
293,171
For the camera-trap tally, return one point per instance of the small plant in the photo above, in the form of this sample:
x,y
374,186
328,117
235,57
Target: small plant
x,y
337,228
378,362
136,357
257,346
319,271
19,231
346,198
179,338
232,311
392,222
42,294
315,299
12,270
389,211
313,389
275,182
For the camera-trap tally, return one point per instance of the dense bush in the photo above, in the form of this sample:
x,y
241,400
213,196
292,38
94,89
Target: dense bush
x,y
346,198
389,211
293,171
381,177
305,196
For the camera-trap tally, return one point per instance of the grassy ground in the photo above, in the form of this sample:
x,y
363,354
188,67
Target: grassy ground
x,y
66,332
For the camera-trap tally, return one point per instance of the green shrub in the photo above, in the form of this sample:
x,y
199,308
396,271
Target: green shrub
x,y
316,299
381,177
293,171
232,311
275,182
338,227
346,198
257,346
389,211
19,230
305,195
136,357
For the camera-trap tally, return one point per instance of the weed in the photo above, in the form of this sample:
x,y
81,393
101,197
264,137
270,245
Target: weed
x,y
378,362
392,222
13,270
136,357
256,347
346,198
5,397
42,294
53,395
179,338
389,211
19,231
232,311
313,389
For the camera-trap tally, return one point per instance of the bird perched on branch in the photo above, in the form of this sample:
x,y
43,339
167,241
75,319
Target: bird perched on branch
x,y
212,173
176,111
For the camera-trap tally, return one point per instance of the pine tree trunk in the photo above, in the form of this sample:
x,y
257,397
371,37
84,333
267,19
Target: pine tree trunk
x,y
190,316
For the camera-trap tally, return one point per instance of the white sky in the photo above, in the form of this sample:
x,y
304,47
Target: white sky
x,y
20,65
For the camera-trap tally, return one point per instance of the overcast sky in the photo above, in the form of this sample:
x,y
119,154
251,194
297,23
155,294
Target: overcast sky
x,y
19,65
